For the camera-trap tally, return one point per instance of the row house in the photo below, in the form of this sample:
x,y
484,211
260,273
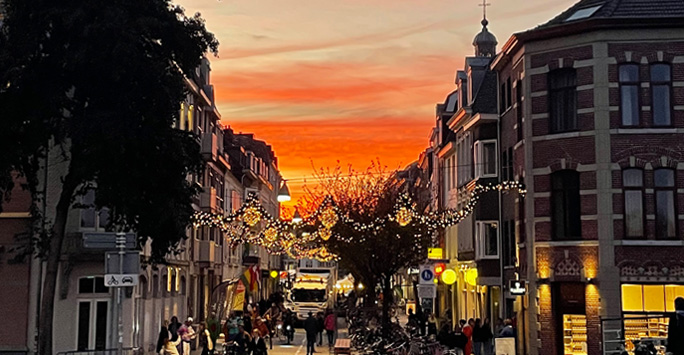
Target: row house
x,y
465,146
183,287
592,121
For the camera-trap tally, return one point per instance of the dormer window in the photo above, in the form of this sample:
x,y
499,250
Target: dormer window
x,y
583,13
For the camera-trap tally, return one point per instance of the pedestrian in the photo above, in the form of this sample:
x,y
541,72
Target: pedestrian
x,y
499,326
170,347
487,337
187,334
478,341
205,341
311,328
432,324
421,318
468,332
243,340
508,331
173,328
320,321
163,334
330,326
675,335
258,345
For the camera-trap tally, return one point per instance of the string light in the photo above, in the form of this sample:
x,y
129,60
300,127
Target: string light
x,y
279,236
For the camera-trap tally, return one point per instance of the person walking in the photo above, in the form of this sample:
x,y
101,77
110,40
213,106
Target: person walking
x,y
477,337
432,324
205,341
311,328
468,332
675,334
258,345
330,326
170,347
487,337
320,320
187,334
174,327
508,331
163,334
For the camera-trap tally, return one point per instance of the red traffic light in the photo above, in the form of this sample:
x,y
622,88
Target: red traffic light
x,y
439,268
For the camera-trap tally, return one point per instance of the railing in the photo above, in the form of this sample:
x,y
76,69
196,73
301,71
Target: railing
x,y
126,351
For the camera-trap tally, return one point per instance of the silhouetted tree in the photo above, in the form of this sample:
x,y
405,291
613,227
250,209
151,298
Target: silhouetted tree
x,y
101,81
373,256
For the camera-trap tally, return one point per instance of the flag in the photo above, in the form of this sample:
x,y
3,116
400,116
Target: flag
x,y
239,297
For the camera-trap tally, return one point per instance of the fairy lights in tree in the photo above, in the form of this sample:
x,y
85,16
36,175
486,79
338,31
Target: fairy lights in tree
x,y
282,237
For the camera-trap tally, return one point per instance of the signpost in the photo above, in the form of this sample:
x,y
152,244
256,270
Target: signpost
x,y
426,275
121,267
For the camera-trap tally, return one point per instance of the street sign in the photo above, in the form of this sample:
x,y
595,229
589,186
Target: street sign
x,y
435,253
516,287
426,275
427,291
131,263
115,280
106,240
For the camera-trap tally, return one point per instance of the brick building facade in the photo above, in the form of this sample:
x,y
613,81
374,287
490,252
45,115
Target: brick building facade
x,y
593,123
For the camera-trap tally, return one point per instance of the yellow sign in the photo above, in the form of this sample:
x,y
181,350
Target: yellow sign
x,y
435,253
449,276
274,274
471,277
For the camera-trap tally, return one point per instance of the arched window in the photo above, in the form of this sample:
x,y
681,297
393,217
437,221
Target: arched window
x,y
155,286
661,82
183,290
633,185
562,100
165,281
629,94
142,287
565,205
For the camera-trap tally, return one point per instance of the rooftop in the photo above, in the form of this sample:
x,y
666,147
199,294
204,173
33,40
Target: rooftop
x,y
618,9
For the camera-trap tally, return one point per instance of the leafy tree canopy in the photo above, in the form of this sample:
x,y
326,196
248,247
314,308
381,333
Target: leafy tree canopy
x,y
102,82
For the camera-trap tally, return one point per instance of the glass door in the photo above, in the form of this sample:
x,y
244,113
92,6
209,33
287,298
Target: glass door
x,y
92,325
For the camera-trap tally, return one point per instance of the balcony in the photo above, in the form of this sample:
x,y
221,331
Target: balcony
x,y
208,200
209,146
205,251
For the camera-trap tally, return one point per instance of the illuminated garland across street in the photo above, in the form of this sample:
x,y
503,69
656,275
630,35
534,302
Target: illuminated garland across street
x,y
251,223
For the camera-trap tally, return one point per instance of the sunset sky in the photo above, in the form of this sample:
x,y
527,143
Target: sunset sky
x,y
352,81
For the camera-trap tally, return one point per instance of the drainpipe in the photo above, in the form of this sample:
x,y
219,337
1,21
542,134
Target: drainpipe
x,y
502,294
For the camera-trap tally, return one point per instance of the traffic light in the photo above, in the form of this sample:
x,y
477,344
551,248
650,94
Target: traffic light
x,y
439,268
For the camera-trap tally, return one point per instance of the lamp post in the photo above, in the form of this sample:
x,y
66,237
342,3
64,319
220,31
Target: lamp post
x,y
284,192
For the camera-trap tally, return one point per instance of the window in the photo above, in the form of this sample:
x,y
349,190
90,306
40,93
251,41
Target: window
x,y
664,181
660,94
509,93
508,243
583,13
487,240
565,205
485,159
519,108
90,217
629,94
92,325
562,100
92,284
507,164
235,201
465,159
633,183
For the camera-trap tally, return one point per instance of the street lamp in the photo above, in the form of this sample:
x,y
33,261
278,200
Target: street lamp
x,y
284,192
297,217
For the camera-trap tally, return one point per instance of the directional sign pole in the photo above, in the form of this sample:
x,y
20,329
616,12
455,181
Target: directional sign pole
x,y
121,245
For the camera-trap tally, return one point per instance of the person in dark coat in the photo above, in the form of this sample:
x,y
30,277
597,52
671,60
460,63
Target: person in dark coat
x,y
163,334
258,345
173,328
321,326
675,334
311,328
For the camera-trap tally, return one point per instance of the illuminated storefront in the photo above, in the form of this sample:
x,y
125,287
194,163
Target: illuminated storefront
x,y
645,307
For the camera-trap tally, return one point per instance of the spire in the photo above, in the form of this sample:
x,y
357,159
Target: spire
x,y
485,42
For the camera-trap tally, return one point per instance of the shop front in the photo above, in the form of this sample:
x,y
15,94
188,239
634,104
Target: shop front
x,y
645,309
570,308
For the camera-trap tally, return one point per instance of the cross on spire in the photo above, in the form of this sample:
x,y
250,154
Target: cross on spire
x,y
484,8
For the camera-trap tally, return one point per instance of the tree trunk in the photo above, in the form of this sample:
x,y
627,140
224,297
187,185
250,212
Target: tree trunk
x,y
52,268
387,301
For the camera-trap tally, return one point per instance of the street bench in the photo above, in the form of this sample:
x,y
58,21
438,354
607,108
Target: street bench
x,y
343,346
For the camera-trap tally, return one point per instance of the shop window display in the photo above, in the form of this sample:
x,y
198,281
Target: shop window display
x,y
575,334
